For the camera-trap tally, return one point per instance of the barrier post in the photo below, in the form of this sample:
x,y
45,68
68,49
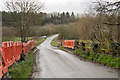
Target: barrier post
x,y
22,57
1,72
4,66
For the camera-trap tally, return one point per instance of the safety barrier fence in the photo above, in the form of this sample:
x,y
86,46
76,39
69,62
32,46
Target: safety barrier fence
x,y
93,46
10,52
69,44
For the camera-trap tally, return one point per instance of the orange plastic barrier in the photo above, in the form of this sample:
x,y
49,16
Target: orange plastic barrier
x,y
1,74
20,47
17,50
32,43
28,46
4,63
8,49
11,52
65,44
69,44
24,48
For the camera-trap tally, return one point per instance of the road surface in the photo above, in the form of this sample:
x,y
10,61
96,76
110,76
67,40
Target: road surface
x,y
55,63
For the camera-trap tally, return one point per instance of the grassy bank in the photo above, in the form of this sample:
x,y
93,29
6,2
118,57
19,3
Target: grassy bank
x,y
105,59
39,42
24,68
54,42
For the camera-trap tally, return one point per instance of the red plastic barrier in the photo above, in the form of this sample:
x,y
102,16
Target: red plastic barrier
x,y
11,50
65,43
20,45
25,48
28,46
17,50
69,44
8,49
4,63
72,44
1,74
32,43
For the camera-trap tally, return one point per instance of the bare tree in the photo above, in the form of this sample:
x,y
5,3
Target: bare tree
x,y
110,8
111,12
24,7
0,28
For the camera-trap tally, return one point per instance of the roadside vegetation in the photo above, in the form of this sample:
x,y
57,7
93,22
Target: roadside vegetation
x,y
39,42
23,69
54,42
105,59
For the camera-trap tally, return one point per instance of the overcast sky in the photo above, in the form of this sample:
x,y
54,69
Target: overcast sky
x,y
50,6
77,6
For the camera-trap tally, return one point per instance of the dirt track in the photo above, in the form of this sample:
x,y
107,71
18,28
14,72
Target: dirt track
x,y
54,63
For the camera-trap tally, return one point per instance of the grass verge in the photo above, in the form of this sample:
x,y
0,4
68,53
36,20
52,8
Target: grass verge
x,y
54,42
105,59
24,68
39,42
14,38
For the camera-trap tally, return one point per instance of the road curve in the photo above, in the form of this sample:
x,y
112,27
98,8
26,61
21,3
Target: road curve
x,y
55,63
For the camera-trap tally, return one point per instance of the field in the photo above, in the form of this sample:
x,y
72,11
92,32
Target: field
x,y
13,39
18,38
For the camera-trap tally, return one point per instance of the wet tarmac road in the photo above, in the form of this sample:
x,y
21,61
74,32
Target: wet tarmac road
x,y
55,63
